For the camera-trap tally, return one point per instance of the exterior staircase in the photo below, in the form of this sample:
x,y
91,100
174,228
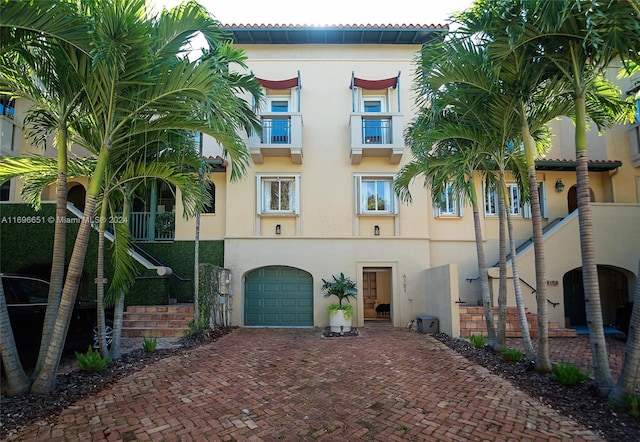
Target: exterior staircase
x,y
472,323
161,321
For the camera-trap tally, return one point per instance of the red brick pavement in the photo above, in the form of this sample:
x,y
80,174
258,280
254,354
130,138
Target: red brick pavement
x,y
291,384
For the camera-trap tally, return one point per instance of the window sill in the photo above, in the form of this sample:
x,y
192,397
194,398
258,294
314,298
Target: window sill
x,y
377,214
278,214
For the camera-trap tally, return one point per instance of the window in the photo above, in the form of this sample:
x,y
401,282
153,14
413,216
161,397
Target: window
x,y
278,194
449,204
211,208
375,195
375,130
7,106
491,200
276,129
542,197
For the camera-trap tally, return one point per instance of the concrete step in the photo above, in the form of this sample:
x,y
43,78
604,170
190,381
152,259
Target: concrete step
x,y
161,321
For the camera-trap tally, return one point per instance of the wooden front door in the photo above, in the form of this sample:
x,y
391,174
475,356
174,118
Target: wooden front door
x,y
370,294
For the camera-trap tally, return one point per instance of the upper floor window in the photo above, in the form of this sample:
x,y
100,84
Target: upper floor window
x,y
375,195
491,200
7,106
278,194
276,130
211,207
449,203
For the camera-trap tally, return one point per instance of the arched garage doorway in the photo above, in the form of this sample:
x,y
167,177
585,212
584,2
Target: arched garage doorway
x,y
278,296
614,285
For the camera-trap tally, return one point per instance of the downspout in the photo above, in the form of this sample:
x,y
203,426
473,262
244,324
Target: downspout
x,y
398,87
299,87
353,99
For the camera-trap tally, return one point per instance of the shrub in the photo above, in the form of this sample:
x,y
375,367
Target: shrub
x,y
91,361
347,309
511,354
478,341
149,344
568,374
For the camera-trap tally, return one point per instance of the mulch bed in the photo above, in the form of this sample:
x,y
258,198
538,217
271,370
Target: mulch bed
x,y
580,402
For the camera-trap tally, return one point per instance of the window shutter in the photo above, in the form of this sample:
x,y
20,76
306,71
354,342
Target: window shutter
x,y
544,210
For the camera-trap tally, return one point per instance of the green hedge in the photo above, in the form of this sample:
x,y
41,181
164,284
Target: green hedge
x,y
179,255
26,247
26,236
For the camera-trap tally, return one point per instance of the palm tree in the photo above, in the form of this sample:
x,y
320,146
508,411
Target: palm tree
x,y
625,388
578,41
17,380
140,83
506,28
448,152
175,163
55,97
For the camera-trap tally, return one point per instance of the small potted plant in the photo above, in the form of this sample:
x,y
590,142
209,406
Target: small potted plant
x,y
344,289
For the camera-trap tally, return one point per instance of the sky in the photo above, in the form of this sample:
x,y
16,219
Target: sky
x,y
329,12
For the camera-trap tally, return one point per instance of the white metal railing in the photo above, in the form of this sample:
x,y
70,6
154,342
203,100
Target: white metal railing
x,y
376,130
160,270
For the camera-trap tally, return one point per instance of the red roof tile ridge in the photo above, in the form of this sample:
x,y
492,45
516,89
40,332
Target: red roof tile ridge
x,y
345,26
565,160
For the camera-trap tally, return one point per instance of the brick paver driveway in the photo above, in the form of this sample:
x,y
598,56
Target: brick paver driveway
x,y
270,385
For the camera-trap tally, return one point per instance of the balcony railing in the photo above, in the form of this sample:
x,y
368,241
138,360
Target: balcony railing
x,y
142,229
376,130
276,131
376,135
281,137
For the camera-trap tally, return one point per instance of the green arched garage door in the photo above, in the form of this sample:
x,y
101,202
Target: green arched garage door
x,y
278,296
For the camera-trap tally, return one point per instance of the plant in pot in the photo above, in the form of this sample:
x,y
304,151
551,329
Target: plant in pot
x,y
340,314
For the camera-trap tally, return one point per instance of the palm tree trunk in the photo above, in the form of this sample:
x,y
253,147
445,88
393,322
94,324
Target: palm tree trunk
x,y
482,269
626,385
17,381
102,340
529,352
543,360
601,370
58,258
196,274
118,317
502,285
46,380
118,310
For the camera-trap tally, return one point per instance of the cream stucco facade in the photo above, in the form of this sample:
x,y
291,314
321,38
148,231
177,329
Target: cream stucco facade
x,y
424,262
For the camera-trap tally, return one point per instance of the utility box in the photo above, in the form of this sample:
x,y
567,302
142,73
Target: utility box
x,y
428,324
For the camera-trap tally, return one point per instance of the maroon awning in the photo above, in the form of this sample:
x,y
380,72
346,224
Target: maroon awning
x,y
278,84
375,84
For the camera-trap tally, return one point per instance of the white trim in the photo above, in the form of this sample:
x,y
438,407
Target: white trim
x,y
294,202
359,207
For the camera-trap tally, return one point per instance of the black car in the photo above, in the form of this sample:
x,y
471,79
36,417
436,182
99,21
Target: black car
x,y
26,303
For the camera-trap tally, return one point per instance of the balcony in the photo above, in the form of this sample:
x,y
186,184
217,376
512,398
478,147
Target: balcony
x,y
281,137
634,139
376,135
144,227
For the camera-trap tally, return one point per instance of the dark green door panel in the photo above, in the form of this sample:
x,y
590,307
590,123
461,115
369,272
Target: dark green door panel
x,y
278,296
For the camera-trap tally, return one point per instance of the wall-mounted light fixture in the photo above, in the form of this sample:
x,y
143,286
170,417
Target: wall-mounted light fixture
x,y
278,229
376,230
559,186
